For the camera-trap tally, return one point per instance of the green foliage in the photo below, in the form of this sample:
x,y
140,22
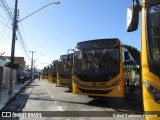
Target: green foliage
x,y
134,52
15,66
8,64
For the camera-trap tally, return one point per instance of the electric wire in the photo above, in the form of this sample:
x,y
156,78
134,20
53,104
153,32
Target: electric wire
x,y
8,12
3,32
23,44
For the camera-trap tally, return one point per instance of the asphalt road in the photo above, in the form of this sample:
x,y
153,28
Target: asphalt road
x,y
58,103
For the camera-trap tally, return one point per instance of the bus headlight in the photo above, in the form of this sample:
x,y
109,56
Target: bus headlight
x,y
154,92
116,82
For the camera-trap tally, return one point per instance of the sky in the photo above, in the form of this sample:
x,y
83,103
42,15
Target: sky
x,y
57,28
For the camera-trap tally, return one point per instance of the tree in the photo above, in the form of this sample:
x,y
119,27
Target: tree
x,y
15,66
134,53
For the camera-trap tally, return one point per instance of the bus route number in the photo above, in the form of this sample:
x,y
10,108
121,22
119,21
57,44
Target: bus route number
x,y
101,84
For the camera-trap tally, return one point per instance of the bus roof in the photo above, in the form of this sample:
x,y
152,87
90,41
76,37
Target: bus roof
x,y
55,61
63,57
98,43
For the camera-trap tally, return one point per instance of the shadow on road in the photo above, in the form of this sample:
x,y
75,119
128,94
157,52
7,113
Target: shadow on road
x,y
68,90
133,102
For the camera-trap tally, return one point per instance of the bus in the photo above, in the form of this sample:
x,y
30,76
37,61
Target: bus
x,y
150,51
45,73
50,77
54,71
99,69
63,72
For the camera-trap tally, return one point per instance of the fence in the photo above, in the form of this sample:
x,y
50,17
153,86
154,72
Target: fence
x,y
4,77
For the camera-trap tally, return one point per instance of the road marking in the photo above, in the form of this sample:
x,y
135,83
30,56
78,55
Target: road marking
x,y
59,107
52,97
48,90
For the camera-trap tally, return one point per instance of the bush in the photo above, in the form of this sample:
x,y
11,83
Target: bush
x,y
15,66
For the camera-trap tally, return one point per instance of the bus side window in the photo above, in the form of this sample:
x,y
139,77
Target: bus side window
x,y
126,55
123,58
126,58
155,54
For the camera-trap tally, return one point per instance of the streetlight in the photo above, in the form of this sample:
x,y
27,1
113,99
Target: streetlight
x,y
15,27
35,62
39,10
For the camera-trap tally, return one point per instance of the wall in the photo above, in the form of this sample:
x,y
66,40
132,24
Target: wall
x,y
4,77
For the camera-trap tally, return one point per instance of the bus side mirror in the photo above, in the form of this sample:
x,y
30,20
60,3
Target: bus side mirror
x,y
132,18
126,55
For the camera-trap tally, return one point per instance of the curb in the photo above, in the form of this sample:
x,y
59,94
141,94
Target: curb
x,y
14,95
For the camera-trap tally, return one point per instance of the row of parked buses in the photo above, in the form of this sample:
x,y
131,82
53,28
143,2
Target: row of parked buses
x,y
105,68
97,68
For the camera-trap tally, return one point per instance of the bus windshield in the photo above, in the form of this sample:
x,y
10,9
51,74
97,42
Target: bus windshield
x,y
54,69
154,32
64,70
98,61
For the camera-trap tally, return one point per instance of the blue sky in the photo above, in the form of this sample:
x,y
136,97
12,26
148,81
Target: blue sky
x,y
57,28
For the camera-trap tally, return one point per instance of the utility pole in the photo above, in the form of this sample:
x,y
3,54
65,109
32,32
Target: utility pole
x,y
34,68
32,63
15,27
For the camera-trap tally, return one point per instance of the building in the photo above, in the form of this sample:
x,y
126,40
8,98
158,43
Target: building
x,y
3,61
19,60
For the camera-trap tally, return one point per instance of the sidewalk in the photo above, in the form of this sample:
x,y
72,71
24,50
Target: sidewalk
x,y
5,98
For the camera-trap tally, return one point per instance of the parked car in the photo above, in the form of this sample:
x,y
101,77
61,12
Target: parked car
x,y
21,77
27,75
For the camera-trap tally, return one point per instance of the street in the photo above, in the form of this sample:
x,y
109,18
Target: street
x,y
60,103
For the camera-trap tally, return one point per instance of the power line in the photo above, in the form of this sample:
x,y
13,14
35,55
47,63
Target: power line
x,y
3,32
3,17
7,9
23,44
8,12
